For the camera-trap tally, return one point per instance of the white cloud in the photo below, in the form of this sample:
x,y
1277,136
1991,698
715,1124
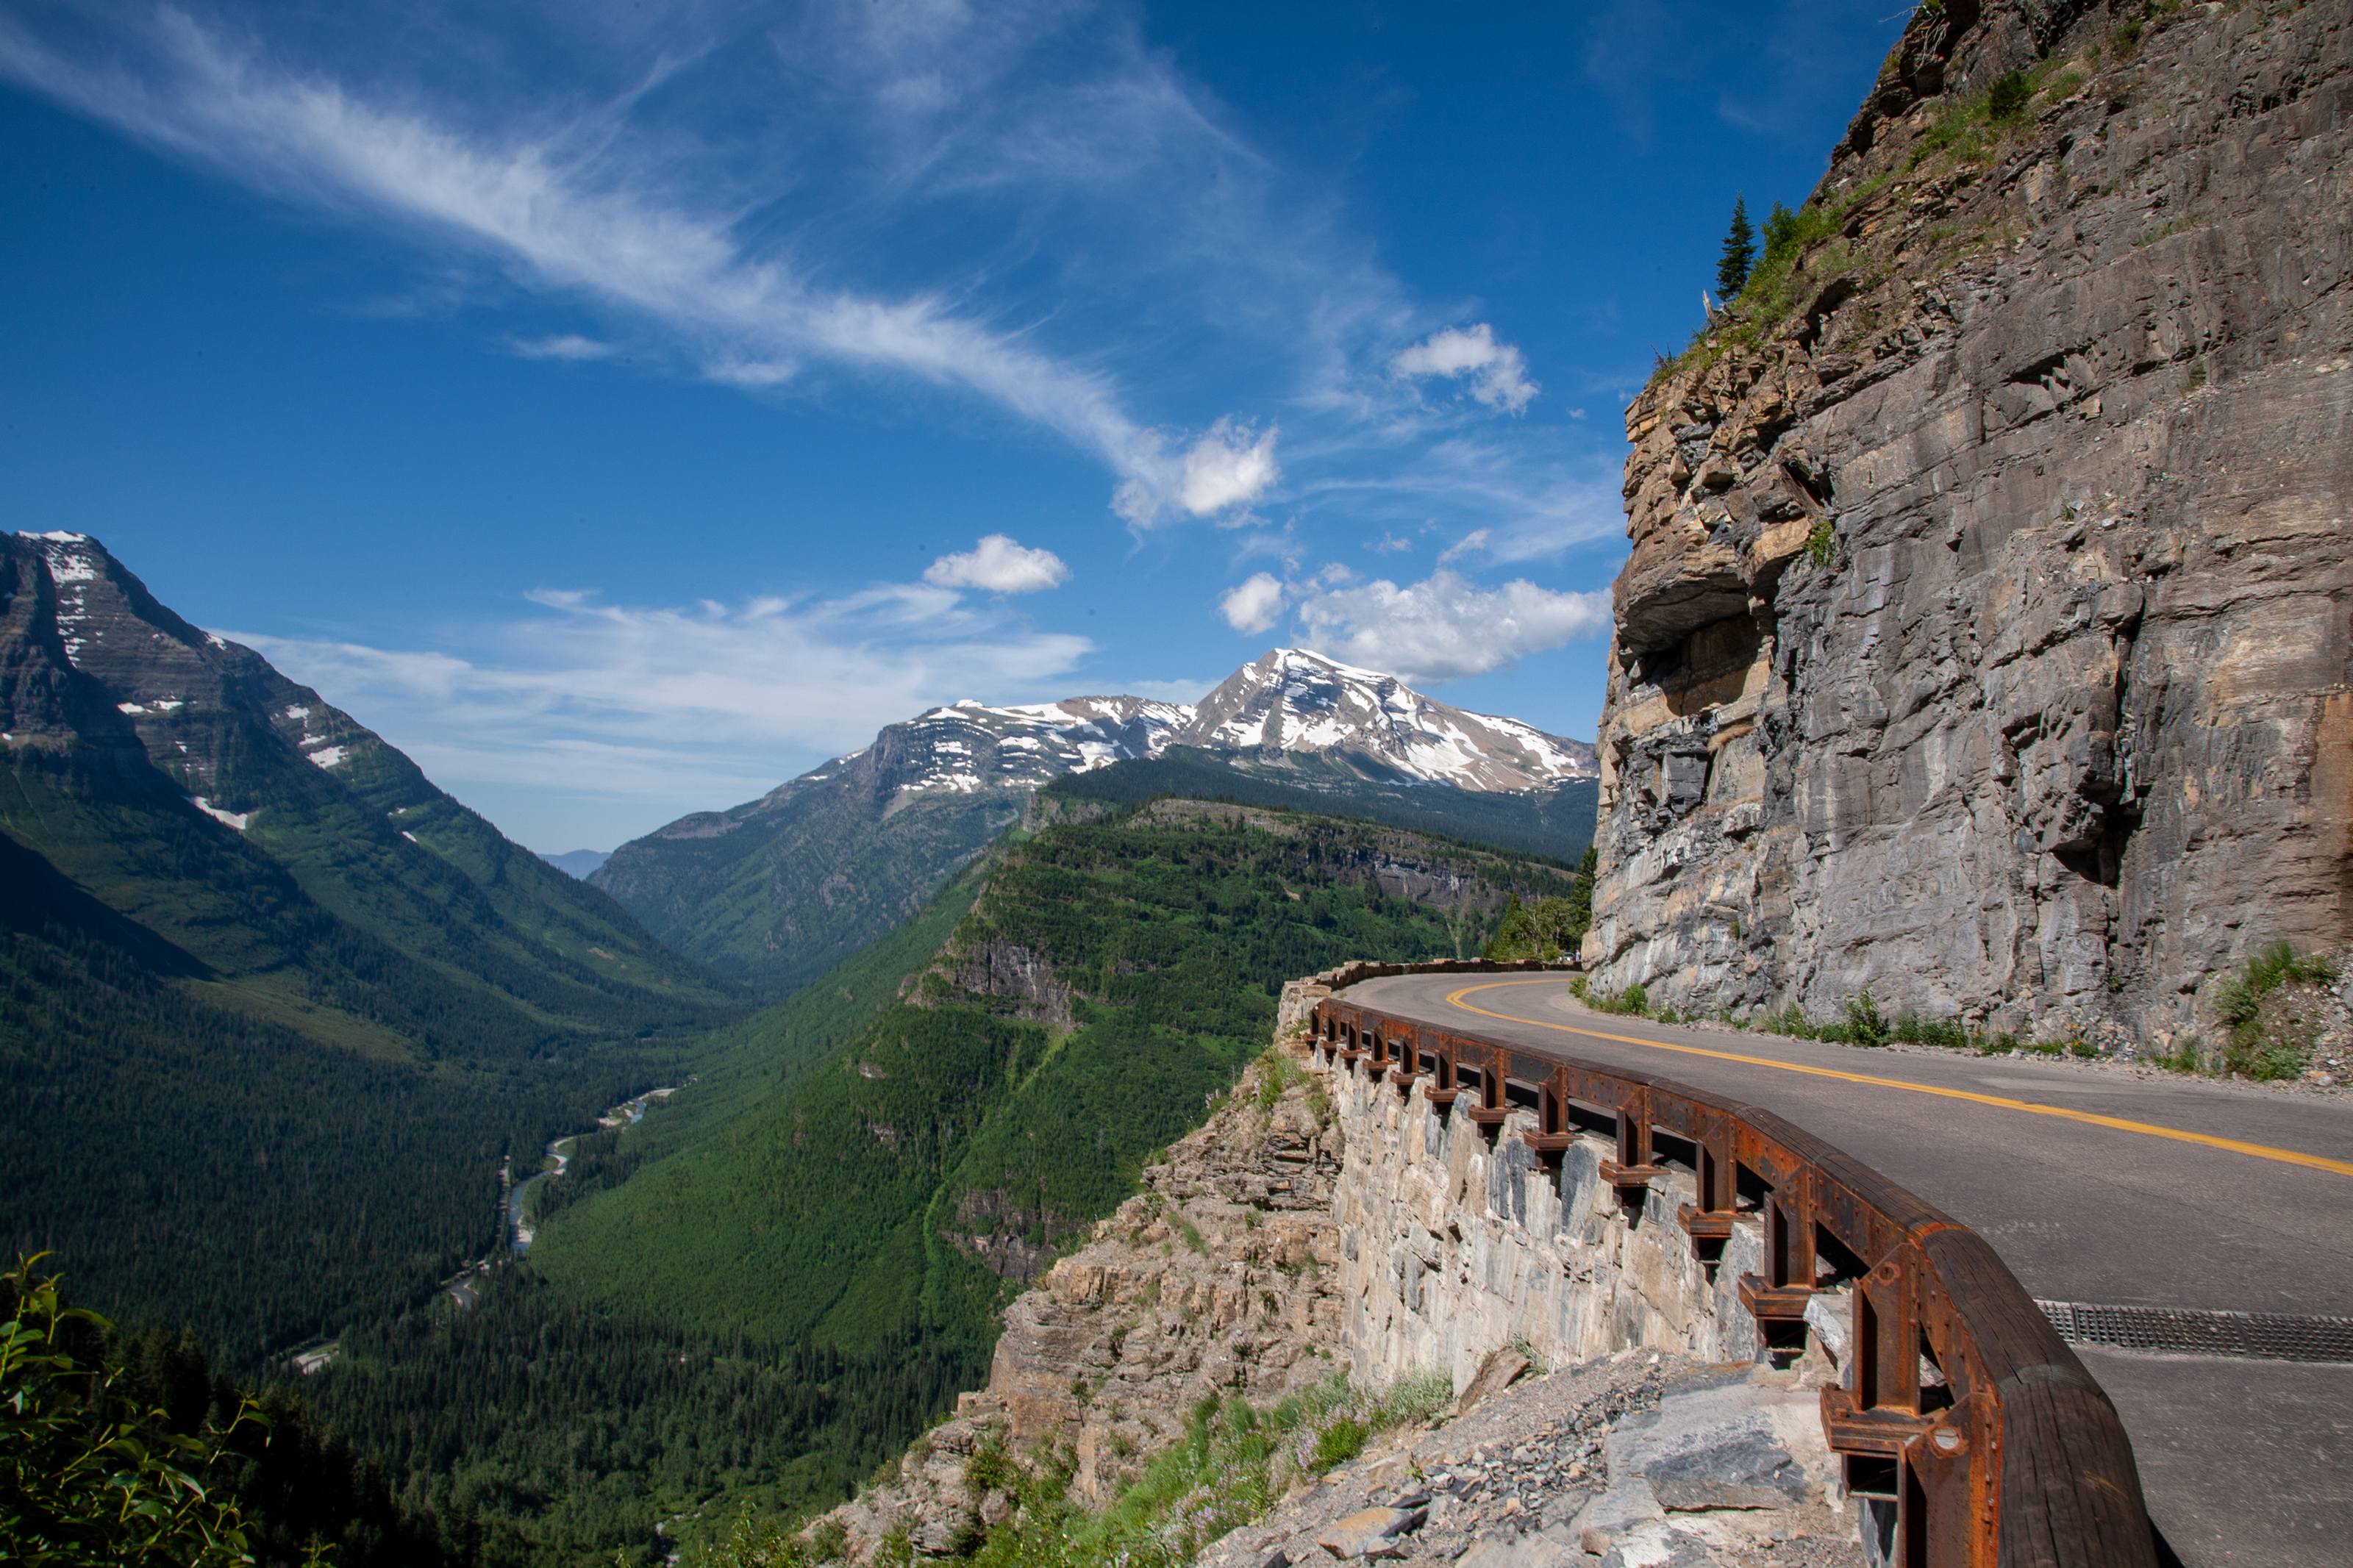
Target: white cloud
x,y
1254,604
1498,371
568,211
1476,539
998,566
678,707
1446,627
562,346
751,374
1230,466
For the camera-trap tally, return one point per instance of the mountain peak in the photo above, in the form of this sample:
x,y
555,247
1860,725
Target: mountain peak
x,y
1293,700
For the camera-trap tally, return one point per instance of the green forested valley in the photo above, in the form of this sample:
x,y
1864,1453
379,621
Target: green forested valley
x,y
278,1013
817,1234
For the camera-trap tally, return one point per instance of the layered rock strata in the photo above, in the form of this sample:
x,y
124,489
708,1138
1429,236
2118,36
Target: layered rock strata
x,y
1987,638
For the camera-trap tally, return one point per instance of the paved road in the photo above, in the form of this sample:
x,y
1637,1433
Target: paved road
x,y
2221,1196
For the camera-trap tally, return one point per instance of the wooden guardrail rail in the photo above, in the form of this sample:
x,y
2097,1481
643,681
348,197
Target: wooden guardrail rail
x,y
1964,1420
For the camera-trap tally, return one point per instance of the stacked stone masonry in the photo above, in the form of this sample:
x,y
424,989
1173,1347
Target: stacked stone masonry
x,y
1453,1242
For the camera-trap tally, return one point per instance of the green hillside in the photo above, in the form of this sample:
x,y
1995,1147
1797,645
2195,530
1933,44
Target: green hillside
x,y
787,1270
1554,823
776,892
965,1123
275,1006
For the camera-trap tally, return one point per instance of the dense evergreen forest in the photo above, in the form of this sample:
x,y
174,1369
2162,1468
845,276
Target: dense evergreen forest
x,y
781,1276
1553,823
538,1428
193,1163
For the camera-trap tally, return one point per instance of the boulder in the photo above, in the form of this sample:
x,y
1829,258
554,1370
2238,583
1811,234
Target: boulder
x,y
1369,1533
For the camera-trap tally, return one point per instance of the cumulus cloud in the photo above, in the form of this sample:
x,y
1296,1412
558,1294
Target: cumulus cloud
x,y
1254,604
1446,627
1498,372
1229,466
998,566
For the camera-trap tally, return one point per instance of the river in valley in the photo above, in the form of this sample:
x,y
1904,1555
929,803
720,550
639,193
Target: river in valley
x,y
628,1113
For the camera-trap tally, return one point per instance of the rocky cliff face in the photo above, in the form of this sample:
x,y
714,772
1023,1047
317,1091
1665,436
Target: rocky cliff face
x,y
1216,1277
1987,641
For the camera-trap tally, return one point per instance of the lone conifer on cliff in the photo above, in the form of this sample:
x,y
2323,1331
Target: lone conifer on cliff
x,y
1739,251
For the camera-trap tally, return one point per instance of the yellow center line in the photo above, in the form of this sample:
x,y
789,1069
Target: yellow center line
x,y
2091,1119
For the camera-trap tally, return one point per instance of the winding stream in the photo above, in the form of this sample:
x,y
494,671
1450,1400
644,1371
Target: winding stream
x,y
628,1113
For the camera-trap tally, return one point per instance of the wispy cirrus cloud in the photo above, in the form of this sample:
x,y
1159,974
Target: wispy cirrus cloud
x,y
569,346
563,210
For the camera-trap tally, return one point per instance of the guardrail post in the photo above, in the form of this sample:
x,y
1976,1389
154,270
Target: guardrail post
x,y
1407,1046
1709,1221
1552,1134
1446,1080
1632,1171
1491,1110
1777,1298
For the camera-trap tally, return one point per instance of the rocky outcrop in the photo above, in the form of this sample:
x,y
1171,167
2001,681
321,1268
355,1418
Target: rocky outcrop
x,y
1321,1224
1216,1277
1987,637
1635,1460
1007,973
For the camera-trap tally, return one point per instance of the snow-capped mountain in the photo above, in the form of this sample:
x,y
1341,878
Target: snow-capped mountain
x,y
1295,700
777,888
1287,704
968,747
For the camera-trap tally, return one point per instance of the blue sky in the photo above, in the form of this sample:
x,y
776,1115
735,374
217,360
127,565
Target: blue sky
x,y
623,406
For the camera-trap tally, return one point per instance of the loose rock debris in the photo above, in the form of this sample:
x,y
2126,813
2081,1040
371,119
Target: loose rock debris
x,y
1635,1462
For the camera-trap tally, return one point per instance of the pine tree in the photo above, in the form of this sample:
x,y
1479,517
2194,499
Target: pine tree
x,y
1739,250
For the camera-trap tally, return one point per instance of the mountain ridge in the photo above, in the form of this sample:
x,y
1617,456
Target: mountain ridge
x,y
272,994
774,890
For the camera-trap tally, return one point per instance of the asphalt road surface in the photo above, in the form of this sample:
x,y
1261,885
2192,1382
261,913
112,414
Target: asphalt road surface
x,y
2097,1184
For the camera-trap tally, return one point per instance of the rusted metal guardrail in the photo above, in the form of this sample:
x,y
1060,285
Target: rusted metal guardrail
x,y
1964,1420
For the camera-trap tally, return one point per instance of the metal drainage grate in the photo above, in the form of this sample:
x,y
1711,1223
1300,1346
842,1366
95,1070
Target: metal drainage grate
x,y
2257,1336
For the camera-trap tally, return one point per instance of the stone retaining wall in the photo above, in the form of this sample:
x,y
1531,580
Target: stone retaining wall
x,y
1451,1244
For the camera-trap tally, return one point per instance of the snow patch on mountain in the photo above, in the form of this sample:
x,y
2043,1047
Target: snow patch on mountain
x,y
235,820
